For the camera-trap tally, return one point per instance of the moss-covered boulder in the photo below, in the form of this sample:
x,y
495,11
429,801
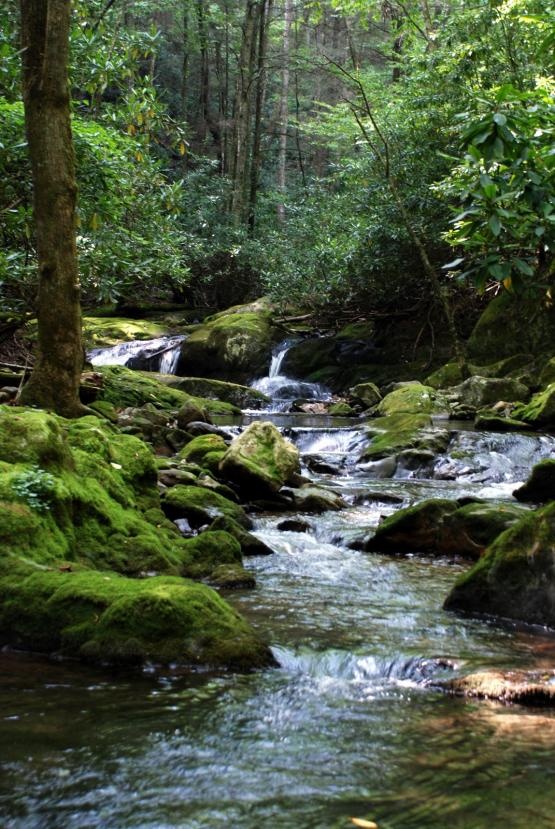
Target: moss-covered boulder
x,y
367,393
393,434
312,498
105,618
244,397
260,460
250,544
443,527
512,325
412,398
206,451
103,332
235,344
539,412
540,486
201,506
479,392
515,578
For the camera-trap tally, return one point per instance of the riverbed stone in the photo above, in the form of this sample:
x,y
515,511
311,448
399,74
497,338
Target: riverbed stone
x,y
515,578
250,544
235,344
205,450
260,460
443,527
532,688
312,498
201,506
368,394
105,618
479,392
393,434
244,397
412,398
191,412
540,486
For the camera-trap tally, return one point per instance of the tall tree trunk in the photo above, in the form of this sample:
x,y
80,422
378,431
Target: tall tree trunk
x,y
242,114
284,111
54,382
185,61
204,90
263,23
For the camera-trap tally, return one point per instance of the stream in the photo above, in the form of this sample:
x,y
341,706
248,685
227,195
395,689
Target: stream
x,y
347,725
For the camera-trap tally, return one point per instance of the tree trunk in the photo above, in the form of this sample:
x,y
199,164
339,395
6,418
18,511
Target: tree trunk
x,y
284,113
263,24
54,382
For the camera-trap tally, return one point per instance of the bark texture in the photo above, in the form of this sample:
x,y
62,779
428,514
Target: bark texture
x,y
54,382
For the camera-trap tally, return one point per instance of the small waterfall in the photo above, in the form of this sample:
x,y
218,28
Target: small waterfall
x,y
283,390
160,354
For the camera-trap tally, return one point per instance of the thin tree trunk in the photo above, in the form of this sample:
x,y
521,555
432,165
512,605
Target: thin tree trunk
x,y
284,112
185,61
54,382
204,91
263,24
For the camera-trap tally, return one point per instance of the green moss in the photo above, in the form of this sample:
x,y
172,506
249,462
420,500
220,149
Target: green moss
x,y
201,506
243,397
197,449
260,459
99,332
341,410
107,618
124,387
448,375
540,410
33,437
412,398
395,432
211,549
515,577
414,529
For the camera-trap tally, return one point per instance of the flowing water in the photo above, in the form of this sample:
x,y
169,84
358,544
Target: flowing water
x,y
348,725
160,354
282,389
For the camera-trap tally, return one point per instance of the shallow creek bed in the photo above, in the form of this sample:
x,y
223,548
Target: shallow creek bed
x,y
348,725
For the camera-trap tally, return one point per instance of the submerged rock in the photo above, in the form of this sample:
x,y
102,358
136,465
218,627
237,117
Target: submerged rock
x,y
260,460
533,688
515,578
540,486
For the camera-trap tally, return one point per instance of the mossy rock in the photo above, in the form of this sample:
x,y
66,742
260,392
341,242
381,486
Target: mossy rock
x,y
515,578
209,550
450,374
491,420
512,325
250,544
123,388
479,392
103,332
201,506
260,460
539,412
341,410
313,499
412,398
197,449
232,577
540,486
442,527
368,394
393,434
235,344
32,437
243,397
107,618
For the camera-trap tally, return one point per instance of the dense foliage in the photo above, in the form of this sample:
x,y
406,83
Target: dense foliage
x,y
400,122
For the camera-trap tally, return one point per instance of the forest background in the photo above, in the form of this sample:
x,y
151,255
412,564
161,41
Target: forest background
x,y
349,156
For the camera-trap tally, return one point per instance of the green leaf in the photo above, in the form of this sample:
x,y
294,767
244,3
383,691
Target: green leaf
x,y
494,224
500,119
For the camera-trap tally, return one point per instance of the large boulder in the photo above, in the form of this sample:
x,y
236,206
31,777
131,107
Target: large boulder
x,y
260,460
539,412
201,506
540,486
80,517
442,527
413,398
479,392
394,433
244,397
235,344
515,578
512,325
105,618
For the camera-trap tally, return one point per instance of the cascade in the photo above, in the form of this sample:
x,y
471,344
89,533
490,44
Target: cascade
x,y
282,389
160,354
